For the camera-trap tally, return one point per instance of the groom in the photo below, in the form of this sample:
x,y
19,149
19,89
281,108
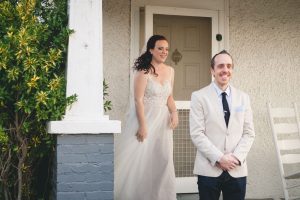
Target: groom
x,y
221,128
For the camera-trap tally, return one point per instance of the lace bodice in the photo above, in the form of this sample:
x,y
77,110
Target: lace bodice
x,y
156,94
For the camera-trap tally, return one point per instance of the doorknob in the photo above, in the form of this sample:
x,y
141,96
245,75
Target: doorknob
x,y
176,56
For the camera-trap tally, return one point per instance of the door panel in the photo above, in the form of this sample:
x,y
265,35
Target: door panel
x,y
191,36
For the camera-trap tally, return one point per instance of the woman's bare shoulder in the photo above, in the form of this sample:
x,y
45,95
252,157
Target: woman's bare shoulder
x,y
170,69
141,74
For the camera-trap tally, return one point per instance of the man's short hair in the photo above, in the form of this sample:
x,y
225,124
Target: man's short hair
x,y
212,62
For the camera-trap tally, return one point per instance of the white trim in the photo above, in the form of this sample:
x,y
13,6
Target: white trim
x,y
134,44
183,104
186,184
135,36
84,127
149,21
226,25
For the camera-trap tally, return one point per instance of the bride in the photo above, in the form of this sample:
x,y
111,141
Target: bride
x,y
144,168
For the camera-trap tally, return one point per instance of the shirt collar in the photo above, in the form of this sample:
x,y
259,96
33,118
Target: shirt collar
x,y
219,91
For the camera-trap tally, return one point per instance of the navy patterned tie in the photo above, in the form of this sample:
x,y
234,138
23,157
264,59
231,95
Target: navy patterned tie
x,y
225,108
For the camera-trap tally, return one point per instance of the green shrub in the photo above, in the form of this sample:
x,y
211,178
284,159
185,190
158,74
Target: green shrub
x,y
33,49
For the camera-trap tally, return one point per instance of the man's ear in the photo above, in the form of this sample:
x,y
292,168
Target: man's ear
x,y
212,72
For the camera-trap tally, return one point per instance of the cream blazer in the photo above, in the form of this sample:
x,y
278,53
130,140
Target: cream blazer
x,y
211,136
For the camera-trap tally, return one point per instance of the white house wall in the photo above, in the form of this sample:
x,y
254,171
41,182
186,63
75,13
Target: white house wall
x,y
116,48
264,39
265,42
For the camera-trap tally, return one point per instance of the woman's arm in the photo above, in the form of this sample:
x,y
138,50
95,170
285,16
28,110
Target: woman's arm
x,y
140,82
171,105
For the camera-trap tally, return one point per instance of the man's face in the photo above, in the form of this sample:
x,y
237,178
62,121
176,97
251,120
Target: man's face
x,y
222,70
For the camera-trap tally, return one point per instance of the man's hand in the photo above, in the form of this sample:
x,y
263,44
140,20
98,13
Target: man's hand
x,y
228,162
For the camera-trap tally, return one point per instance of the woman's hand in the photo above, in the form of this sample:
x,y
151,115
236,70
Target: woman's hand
x,y
173,119
141,133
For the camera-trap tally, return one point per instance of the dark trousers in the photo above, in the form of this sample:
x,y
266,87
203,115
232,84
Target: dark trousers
x,y
232,188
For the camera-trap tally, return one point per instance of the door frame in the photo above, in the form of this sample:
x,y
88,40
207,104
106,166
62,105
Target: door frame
x,y
220,24
183,184
152,10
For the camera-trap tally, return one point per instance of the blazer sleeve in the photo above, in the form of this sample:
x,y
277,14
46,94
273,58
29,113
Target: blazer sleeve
x,y
248,134
197,132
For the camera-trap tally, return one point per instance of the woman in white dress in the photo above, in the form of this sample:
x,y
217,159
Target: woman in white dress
x,y
144,168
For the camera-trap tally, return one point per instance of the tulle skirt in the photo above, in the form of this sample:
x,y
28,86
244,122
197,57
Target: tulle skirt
x,y
145,170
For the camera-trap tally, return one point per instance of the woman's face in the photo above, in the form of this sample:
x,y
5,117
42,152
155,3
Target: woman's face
x,y
160,51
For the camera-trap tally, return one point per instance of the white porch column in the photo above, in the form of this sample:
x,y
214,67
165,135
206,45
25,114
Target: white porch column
x,y
85,73
85,147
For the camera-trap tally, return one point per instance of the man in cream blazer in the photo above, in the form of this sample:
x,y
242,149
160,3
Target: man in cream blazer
x,y
221,148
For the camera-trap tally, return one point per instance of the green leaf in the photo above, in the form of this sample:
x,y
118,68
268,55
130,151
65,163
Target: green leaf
x,y
3,137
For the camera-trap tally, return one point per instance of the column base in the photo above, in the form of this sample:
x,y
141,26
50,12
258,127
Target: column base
x,y
84,127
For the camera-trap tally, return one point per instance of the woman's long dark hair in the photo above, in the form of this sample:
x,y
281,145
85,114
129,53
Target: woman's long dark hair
x,y
143,63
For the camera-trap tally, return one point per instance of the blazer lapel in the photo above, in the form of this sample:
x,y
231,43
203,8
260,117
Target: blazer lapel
x,y
217,106
234,103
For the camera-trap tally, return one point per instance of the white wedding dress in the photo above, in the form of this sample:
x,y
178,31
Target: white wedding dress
x,y
145,170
